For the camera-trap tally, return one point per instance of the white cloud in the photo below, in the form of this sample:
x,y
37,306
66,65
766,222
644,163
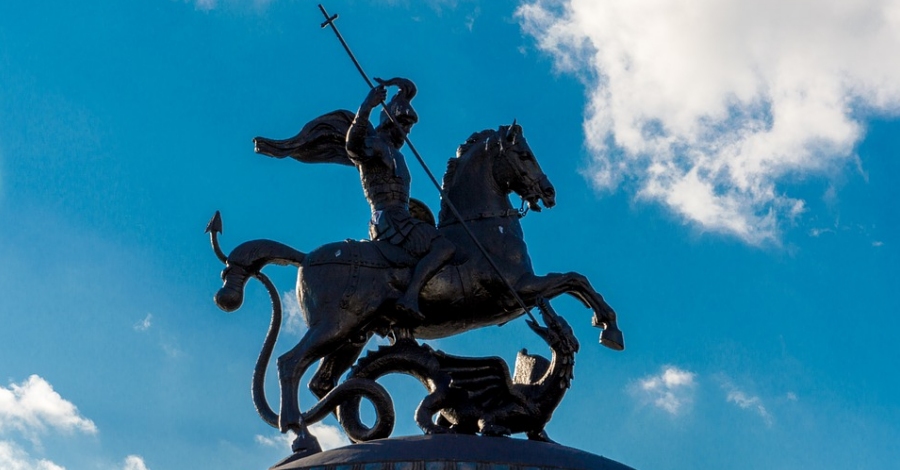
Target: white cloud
x,y
293,316
330,437
711,105
471,17
748,402
134,462
206,5
33,406
171,349
144,324
14,458
209,5
672,390
278,440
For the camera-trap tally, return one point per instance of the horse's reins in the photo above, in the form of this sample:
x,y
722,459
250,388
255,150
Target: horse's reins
x,y
329,21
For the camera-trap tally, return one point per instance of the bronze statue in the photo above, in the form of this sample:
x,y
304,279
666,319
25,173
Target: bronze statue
x,y
350,290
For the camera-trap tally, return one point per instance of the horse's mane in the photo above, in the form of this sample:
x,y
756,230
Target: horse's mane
x,y
475,138
451,172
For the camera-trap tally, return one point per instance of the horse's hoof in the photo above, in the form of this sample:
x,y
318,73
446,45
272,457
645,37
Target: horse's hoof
x,y
305,444
439,430
612,338
495,430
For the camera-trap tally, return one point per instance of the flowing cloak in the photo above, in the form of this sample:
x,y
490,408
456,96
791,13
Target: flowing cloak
x,y
324,140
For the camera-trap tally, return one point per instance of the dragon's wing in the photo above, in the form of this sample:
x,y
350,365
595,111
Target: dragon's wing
x,y
322,140
485,378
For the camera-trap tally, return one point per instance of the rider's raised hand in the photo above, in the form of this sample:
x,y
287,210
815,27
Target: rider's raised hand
x,y
375,97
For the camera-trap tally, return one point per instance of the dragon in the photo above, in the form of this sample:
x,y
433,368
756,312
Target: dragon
x,y
477,395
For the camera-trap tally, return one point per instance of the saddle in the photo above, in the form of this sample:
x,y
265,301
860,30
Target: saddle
x,y
372,254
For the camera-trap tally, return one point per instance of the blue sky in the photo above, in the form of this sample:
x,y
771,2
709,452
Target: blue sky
x,y
726,177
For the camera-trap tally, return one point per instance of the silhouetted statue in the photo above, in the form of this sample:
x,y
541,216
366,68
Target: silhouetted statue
x,y
413,280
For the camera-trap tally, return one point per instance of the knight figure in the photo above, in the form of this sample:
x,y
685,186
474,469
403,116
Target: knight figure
x,y
385,178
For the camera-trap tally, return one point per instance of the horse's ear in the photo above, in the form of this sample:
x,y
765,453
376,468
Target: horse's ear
x,y
513,132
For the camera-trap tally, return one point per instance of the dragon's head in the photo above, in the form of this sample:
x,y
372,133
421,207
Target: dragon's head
x,y
558,334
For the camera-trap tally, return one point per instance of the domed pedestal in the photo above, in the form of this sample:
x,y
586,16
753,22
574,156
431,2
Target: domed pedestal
x,y
452,452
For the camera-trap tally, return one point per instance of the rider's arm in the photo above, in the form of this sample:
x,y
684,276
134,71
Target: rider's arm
x,y
359,143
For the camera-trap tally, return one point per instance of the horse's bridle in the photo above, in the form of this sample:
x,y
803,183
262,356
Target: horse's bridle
x,y
532,185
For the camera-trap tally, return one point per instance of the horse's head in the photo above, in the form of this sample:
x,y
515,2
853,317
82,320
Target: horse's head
x,y
518,170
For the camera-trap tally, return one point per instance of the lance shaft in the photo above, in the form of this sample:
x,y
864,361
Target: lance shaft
x,y
329,21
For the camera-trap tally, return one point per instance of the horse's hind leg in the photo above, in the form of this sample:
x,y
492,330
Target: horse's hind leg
x,y
319,341
333,366
578,286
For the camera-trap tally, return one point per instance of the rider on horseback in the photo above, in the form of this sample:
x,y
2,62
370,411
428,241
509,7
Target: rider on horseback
x,y
386,183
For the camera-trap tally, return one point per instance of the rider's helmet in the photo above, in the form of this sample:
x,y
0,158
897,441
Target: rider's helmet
x,y
400,106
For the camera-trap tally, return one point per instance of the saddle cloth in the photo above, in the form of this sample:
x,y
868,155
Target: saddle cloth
x,y
377,254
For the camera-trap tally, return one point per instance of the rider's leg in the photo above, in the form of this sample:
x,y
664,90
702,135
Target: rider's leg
x,y
441,253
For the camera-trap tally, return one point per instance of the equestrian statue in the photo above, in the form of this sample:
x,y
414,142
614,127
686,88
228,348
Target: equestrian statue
x,y
414,278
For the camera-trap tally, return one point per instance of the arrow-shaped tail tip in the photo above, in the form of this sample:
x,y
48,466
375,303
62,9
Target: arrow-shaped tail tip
x,y
215,224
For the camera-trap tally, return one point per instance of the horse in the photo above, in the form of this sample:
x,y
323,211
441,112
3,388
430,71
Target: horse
x,y
347,290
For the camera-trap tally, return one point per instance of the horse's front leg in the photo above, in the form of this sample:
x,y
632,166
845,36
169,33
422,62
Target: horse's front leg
x,y
532,287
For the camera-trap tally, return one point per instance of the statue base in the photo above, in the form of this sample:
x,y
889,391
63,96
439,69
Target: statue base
x,y
451,452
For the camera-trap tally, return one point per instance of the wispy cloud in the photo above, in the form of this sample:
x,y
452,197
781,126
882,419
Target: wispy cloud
x,y
330,437
134,462
471,17
144,324
748,402
209,5
206,5
711,105
293,315
32,407
672,390
171,349
12,457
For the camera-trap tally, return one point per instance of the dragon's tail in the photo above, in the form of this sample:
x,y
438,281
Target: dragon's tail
x,y
247,260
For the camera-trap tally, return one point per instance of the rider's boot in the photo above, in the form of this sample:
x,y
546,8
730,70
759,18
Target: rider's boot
x,y
441,252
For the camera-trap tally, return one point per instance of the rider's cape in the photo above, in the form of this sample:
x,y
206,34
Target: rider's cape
x,y
322,140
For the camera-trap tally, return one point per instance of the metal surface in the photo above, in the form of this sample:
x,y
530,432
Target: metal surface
x,y
414,280
451,452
